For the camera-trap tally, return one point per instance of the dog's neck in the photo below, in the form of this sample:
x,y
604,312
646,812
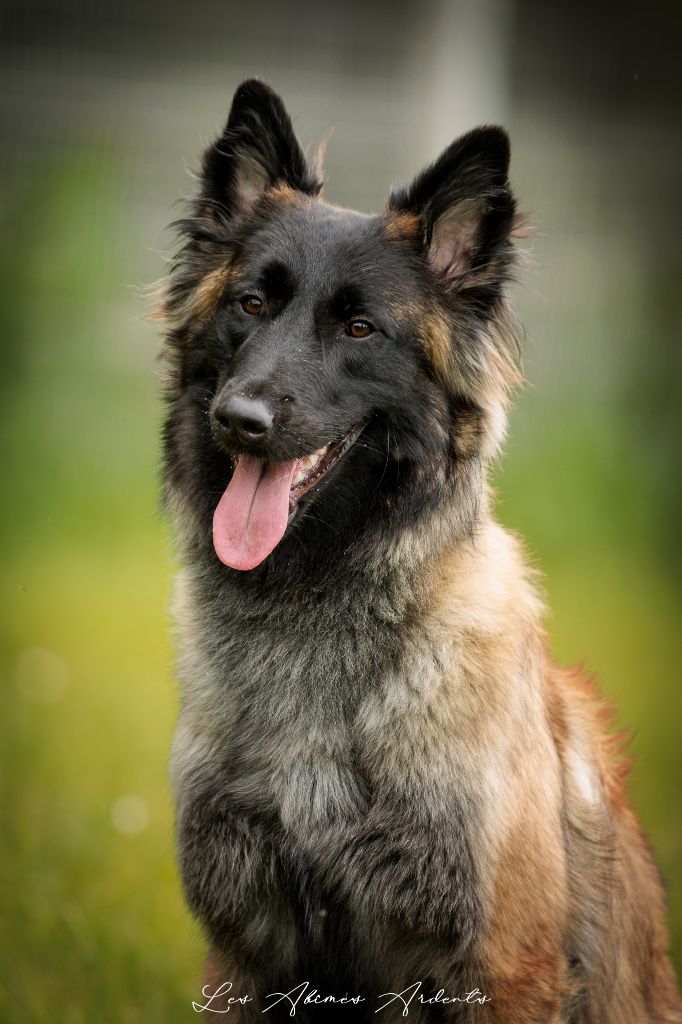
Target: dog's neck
x,y
384,562
363,611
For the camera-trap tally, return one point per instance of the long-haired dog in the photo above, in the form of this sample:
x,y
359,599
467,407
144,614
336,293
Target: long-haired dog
x,y
388,796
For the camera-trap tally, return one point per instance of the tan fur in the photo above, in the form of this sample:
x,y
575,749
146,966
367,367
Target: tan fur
x,y
494,715
490,381
209,290
405,227
435,338
197,305
285,196
511,715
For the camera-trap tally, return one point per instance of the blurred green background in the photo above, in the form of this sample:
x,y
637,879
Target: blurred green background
x,y
102,111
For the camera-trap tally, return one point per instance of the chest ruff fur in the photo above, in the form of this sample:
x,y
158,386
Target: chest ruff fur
x,y
410,792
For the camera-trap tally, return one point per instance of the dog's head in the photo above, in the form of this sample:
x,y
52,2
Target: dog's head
x,y
334,375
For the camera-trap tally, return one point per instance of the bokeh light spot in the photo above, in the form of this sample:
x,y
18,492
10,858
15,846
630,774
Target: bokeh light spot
x,y
130,815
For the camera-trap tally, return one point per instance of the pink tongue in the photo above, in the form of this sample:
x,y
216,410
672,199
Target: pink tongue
x,y
252,514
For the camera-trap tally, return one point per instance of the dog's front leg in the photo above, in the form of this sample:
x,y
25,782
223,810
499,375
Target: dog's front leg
x,y
402,865
234,882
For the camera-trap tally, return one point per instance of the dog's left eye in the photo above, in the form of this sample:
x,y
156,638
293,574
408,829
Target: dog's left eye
x,y
359,328
251,304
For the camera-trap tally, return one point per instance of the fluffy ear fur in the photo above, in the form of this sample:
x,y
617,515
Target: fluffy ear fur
x,y
466,209
258,149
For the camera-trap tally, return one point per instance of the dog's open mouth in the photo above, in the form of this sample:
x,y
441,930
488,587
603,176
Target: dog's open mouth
x,y
313,467
262,498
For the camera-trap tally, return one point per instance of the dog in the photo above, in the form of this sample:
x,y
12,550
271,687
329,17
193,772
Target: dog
x,y
389,798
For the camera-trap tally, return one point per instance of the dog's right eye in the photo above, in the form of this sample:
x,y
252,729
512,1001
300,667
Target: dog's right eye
x,y
359,328
251,304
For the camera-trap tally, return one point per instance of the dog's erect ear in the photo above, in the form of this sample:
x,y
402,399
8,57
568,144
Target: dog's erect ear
x,y
466,208
258,149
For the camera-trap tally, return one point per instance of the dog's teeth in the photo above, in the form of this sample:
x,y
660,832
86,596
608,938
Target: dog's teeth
x,y
307,465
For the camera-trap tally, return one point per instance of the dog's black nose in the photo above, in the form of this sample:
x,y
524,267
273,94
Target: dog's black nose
x,y
242,419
